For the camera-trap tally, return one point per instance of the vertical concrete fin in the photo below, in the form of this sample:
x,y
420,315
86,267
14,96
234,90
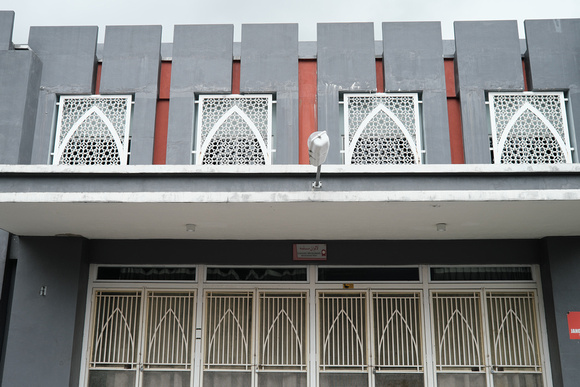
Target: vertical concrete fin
x,y
6,27
202,63
487,58
68,55
269,64
413,62
131,64
346,62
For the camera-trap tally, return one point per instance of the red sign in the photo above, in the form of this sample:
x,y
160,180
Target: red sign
x,y
574,325
310,252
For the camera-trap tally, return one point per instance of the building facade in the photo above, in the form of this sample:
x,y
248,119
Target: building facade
x,y
161,228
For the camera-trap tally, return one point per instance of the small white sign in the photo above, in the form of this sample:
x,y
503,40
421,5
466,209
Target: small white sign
x,y
310,252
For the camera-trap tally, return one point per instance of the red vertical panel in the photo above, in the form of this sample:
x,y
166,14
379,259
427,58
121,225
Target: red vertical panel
x,y
307,114
380,76
98,80
162,115
161,124
236,77
455,131
454,115
525,75
165,80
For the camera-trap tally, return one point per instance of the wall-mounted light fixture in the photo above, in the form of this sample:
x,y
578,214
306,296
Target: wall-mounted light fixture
x,y
441,227
190,227
318,144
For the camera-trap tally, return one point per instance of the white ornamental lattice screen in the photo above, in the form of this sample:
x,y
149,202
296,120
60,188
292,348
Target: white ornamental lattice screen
x,y
382,129
234,130
529,128
92,130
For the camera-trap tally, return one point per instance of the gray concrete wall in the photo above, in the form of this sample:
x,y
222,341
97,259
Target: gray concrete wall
x,y
413,62
131,64
553,59
20,73
202,63
6,26
561,274
346,62
45,333
487,58
269,64
68,56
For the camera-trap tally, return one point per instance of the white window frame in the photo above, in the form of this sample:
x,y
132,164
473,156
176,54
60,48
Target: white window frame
x,y
122,143
416,144
202,141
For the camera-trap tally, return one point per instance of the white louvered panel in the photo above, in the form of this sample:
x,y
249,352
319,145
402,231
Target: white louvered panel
x,y
169,331
513,330
343,340
282,331
457,331
397,331
115,329
228,330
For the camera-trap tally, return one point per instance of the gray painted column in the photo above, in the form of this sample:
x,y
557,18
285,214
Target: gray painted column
x,y
131,64
413,62
20,73
4,238
6,26
560,277
346,62
553,58
202,63
45,333
487,58
269,64
68,55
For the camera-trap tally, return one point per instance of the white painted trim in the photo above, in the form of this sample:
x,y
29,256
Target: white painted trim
x,y
445,196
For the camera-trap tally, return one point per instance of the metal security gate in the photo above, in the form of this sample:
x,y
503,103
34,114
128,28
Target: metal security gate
x,y
370,339
255,339
142,338
489,343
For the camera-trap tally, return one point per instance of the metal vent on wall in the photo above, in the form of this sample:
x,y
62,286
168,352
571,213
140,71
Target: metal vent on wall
x,y
234,130
382,129
92,130
529,128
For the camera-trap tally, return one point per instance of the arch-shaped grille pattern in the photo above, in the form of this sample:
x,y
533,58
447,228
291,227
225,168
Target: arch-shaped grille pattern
x,y
382,129
529,128
234,130
92,130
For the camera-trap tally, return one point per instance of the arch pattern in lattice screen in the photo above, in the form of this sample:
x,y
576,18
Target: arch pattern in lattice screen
x,y
529,128
382,129
92,130
234,130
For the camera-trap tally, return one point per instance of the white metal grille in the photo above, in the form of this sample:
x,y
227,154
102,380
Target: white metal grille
x,y
92,130
343,339
116,329
283,331
169,341
234,130
228,330
513,330
397,331
457,331
529,128
382,129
